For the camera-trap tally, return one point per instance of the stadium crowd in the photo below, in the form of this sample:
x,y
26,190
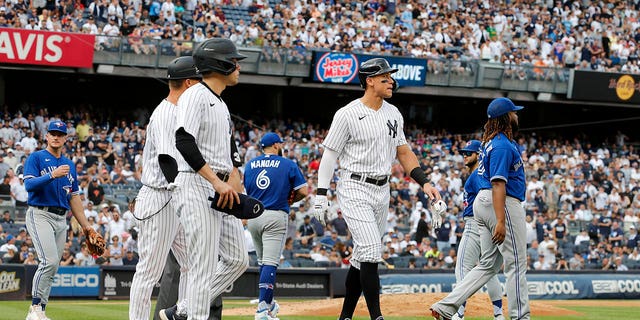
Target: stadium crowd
x,y
589,35
583,200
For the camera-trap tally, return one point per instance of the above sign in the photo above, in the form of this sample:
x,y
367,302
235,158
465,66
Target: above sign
x,y
336,67
58,49
604,86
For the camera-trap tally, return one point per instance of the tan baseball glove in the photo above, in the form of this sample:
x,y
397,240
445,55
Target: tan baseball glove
x,y
95,242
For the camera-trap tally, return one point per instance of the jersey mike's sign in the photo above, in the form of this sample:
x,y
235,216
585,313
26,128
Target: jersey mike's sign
x,y
335,67
59,49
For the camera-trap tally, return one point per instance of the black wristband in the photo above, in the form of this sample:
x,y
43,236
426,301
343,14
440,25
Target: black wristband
x,y
419,176
321,192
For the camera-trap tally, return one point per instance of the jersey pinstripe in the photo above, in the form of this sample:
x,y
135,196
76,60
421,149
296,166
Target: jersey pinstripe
x,y
365,139
160,140
205,116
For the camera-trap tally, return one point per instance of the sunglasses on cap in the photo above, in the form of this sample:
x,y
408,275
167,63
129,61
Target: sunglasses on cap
x,y
467,153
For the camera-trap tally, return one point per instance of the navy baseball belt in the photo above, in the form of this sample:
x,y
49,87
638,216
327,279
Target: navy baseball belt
x,y
55,210
378,182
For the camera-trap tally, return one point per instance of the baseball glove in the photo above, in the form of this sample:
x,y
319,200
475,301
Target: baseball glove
x,y
95,242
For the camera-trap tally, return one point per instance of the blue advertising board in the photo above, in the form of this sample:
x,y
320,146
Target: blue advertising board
x,y
553,286
76,282
338,67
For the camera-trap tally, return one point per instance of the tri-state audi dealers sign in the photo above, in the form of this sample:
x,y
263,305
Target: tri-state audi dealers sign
x,y
47,48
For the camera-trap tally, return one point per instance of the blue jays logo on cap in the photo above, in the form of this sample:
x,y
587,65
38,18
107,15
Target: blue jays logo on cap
x,y
270,139
472,146
58,126
501,106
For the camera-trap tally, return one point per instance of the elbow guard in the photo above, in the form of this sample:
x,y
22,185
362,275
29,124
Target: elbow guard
x,y
168,166
186,145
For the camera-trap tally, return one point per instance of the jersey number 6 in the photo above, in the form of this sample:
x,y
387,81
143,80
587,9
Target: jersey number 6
x,y
263,181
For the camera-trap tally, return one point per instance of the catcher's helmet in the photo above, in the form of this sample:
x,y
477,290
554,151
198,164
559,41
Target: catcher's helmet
x,y
216,54
182,68
373,67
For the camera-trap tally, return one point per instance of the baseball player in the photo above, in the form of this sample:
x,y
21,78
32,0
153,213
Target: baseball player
x,y
160,228
366,136
501,218
271,179
469,247
52,183
203,133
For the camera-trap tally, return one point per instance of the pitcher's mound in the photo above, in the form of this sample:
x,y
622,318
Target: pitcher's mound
x,y
399,305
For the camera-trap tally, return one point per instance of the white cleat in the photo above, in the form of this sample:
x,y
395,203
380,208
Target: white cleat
x,y
36,313
456,316
275,308
264,315
498,317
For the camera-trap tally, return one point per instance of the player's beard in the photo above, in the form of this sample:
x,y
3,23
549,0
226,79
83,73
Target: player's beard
x,y
280,152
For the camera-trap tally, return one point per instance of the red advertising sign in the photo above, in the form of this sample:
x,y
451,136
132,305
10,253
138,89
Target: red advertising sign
x,y
59,49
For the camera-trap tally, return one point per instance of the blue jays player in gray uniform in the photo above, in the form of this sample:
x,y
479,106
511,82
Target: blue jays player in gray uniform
x,y
469,247
52,183
500,216
271,179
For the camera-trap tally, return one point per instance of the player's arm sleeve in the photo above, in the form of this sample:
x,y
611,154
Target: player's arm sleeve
x,y
325,172
186,145
32,180
168,166
500,160
235,155
338,134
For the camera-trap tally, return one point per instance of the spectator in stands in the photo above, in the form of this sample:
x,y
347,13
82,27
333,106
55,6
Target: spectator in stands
x,y
542,263
632,238
340,225
67,258
130,259
116,251
95,192
83,258
31,259
548,248
616,236
6,218
19,193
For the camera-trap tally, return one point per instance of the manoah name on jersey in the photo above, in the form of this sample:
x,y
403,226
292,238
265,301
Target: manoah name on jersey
x,y
265,163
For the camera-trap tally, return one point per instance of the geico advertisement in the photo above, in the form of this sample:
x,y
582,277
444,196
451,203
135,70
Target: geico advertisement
x,y
76,281
539,285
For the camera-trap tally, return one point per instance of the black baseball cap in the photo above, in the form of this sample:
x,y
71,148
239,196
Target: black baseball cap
x,y
182,68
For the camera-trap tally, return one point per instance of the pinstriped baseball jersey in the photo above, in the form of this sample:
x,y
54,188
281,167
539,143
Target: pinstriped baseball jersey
x,y
366,140
159,141
206,117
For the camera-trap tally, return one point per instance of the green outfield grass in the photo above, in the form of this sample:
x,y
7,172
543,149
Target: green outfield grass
x,y
112,310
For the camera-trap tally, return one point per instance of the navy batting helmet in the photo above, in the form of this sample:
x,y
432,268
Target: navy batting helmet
x,y
216,54
182,68
374,67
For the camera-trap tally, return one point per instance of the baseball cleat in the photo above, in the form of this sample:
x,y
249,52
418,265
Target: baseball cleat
x,y
498,317
456,316
436,315
171,314
264,315
275,308
36,313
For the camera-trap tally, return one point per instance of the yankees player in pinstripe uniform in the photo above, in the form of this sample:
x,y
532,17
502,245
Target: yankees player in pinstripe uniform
x,y
366,136
271,179
52,183
469,247
500,216
202,137
160,228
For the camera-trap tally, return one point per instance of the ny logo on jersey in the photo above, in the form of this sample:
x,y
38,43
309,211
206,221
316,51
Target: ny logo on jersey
x,y
393,128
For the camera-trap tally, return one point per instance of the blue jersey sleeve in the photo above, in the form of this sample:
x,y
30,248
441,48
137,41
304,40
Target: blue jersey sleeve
x,y
500,160
296,177
33,181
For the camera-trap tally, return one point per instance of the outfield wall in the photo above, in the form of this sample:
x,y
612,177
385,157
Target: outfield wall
x,y
115,283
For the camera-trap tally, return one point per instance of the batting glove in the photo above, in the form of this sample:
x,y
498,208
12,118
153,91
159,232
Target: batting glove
x,y
320,208
439,210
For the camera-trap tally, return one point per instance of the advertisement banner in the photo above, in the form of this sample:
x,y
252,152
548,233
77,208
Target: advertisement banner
x,y
116,283
289,283
47,48
12,282
604,86
540,285
338,67
76,282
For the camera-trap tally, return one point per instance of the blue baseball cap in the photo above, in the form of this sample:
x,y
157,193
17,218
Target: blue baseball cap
x,y
501,106
270,139
58,126
472,146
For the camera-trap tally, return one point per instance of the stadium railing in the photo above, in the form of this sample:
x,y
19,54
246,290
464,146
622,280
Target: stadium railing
x,y
291,62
